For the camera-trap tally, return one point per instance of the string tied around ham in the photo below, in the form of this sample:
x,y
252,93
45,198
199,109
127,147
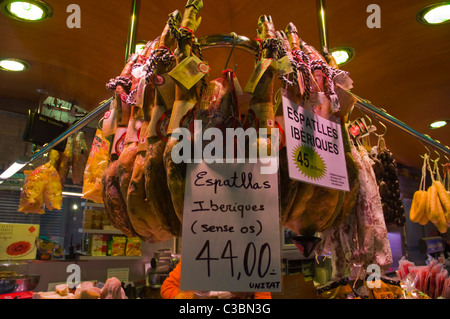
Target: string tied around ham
x,y
121,80
328,73
160,55
184,33
268,43
189,35
260,42
302,64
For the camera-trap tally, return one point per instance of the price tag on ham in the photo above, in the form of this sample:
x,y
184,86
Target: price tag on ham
x,y
189,71
315,148
231,234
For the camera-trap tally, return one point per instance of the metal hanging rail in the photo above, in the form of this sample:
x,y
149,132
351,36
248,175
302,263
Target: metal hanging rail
x,y
382,115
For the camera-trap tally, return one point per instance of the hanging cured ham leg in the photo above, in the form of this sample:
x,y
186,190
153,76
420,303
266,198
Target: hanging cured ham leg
x,y
288,187
115,204
129,151
148,213
315,208
184,101
156,189
261,104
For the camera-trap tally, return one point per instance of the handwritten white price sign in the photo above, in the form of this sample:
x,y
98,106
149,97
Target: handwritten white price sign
x,y
231,232
315,148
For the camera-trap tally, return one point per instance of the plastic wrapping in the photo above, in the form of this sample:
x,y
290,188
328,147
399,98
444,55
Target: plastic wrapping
x,y
80,157
65,160
422,282
96,164
42,187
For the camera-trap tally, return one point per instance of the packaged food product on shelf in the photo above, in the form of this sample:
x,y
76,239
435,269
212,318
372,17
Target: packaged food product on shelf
x,y
117,245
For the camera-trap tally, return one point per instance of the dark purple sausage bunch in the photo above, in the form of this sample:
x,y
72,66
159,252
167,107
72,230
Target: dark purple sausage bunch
x,y
385,168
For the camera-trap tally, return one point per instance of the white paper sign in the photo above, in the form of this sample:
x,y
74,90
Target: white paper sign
x,y
231,229
315,148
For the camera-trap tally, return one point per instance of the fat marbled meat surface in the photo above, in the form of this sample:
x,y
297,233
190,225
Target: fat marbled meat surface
x,y
362,238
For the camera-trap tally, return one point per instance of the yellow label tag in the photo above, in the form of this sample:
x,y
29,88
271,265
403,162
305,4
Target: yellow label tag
x,y
142,146
156,113
140,93
260,68
133,130
264,112
165,86
180,109
119,141
190,71
264,83
109,120
284,66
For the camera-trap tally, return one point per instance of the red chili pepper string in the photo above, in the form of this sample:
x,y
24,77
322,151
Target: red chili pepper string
x,y
191,34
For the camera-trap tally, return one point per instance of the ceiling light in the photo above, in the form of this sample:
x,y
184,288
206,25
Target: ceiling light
x,y
29,11
438,124
342,54
72,194
14,168
14,65
435,14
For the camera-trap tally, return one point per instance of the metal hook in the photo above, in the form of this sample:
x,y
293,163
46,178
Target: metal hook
x,y
232,49
429,153
385,129
100,123
368,118
439,156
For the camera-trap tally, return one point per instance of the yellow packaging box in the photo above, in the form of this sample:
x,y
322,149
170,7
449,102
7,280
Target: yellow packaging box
x,y
98,245
134,246
117,245
18,241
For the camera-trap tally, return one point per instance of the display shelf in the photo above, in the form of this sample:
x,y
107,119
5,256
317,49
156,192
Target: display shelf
x,y
93,205
109,257
100,231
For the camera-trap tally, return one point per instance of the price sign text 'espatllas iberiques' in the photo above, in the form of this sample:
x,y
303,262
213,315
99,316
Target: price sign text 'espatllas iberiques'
x,y
231,235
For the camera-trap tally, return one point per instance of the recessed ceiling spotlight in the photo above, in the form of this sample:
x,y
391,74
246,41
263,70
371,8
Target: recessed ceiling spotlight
x,y
14,65
438,13
438,124
343,54
28,11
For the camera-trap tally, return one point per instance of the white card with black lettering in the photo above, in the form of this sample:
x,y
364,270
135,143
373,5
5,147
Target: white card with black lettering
x,y
231,229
